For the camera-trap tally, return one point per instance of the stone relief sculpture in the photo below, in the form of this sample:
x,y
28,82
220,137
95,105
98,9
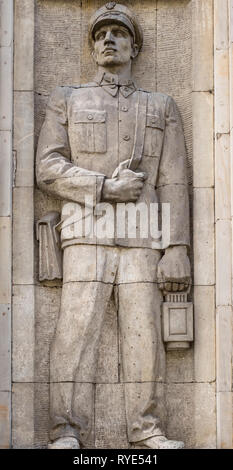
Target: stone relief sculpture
x,y
105,144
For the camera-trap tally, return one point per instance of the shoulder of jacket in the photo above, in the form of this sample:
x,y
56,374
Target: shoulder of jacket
x,y
66,90
162,98
157,97
60,95
70,88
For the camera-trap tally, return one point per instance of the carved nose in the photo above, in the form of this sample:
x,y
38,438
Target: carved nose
x,y
109,38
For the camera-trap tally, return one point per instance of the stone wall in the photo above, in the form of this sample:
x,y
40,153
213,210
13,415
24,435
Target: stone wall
x,y
223,76
6,128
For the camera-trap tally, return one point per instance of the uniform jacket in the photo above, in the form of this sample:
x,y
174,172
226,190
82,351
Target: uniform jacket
x,y
89,130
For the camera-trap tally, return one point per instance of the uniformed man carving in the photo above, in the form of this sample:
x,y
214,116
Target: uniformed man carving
x,y
113,143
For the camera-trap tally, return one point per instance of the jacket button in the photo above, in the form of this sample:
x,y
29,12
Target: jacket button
x,y
126,137
124,108
90,117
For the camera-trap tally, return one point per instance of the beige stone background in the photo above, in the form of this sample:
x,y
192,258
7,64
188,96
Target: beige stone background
x,y
187,53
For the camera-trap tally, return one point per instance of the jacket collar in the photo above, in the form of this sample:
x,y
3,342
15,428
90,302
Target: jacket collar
x,y
111,84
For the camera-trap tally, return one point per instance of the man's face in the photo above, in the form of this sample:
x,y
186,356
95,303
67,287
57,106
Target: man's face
x,y
113,45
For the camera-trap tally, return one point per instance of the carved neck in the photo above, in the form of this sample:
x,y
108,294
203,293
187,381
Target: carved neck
x,y
124,72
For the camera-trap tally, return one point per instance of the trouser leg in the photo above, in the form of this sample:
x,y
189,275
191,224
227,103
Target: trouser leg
x,y
143,356
74,351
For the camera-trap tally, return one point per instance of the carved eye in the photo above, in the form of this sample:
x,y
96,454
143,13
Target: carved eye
x,y
101,35
119,33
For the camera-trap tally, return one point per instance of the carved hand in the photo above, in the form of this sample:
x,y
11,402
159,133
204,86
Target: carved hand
x,y
124,186
174,272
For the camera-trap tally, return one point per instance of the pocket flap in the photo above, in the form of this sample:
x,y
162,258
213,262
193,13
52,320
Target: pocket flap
x,y
89,116
153,120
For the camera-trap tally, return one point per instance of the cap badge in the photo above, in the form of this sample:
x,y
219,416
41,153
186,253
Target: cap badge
x,y
110,5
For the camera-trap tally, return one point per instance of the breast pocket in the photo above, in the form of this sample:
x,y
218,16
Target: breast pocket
x,y
88,131
154,135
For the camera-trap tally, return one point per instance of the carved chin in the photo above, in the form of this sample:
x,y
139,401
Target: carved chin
x,y
110,60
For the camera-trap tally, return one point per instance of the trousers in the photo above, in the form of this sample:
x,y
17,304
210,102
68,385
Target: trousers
x,y
90,276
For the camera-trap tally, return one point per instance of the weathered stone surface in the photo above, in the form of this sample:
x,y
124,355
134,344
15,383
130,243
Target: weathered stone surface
x,y
23,416
138,266
174,70
110,424
220,22
6,23
82,396
224,348
140,325
180,403
6,97
204,317
40,102
47,300
23,333
47,310
196,404
23,138
205,416
223,155
5,348
24,45
80,264
203,162
224,420
5,420
41,415
23,236
147,12
83,306
202,46
231,21
137,396
203,243
170,77
108,356
179,366
51,61
5,256
231,83
221,74
5,173
223,262
44,204
222,177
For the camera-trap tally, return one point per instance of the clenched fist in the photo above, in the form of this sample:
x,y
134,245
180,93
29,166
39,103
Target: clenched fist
x,y
124,186
174,272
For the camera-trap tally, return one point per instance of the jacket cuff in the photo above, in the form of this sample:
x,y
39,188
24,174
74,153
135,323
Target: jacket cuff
x,y
82,189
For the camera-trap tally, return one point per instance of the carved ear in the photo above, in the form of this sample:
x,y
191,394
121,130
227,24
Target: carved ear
x,y
93,55
135,51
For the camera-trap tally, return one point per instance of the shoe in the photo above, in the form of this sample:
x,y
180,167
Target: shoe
x,y
158,442
64,443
